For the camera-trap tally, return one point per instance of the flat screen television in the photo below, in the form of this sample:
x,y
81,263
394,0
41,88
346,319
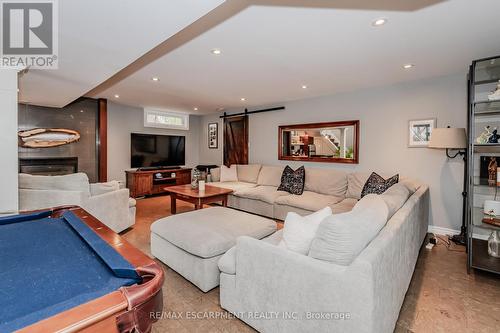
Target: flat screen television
x,y
149,150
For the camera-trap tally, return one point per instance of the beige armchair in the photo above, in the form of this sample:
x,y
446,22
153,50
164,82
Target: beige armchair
x,y
106,201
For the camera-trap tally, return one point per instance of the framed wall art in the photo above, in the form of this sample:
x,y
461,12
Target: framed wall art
x,y
213,137
419,132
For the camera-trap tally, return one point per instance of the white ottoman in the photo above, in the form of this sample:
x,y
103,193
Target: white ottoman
x,y
192,243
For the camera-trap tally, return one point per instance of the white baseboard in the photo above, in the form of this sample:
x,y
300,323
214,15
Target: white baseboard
x,y
449,232
483,237
442,231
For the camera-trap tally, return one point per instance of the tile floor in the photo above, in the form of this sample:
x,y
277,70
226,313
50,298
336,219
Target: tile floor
x,y
441,297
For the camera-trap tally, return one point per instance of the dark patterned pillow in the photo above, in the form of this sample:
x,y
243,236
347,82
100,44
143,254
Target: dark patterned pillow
x,y
293,181
377,184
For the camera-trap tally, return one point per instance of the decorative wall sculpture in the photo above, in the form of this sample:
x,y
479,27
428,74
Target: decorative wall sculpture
x,y
47,137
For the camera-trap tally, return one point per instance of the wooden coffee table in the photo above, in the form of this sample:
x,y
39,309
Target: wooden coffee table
x,y
198,198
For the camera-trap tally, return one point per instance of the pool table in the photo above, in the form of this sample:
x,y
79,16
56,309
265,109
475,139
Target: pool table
x,y
63,270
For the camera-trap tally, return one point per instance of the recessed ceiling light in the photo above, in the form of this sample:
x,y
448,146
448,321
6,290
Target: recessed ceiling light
x,y
196,109
117,96
408,66
216,51
304,86
155,78
379,22
243,99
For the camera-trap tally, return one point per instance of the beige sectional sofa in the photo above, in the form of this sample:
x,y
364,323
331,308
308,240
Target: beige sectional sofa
x,y
307,294
256,190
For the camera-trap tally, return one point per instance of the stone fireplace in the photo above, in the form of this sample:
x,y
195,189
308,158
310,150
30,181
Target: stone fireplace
x,y
80,156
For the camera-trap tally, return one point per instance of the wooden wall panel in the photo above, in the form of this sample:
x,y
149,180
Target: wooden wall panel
x,y
103,140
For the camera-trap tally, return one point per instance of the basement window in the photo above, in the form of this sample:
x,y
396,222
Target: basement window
x,y
166,119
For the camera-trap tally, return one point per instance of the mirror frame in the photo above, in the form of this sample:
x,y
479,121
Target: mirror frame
x,y
354,160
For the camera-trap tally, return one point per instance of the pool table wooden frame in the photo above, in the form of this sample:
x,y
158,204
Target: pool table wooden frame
x,y
123,310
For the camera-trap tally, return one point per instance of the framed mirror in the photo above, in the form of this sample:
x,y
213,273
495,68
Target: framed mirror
x,y
334,142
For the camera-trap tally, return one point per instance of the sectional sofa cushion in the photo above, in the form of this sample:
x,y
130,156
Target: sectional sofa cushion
x,y
72,182
263,193
376,184
235,186
215,173
299,231
228,174
311,201
395,197
355,183
248,172
227,263
411,184
270,175
292,181
326,181
341,237
344,206
101,188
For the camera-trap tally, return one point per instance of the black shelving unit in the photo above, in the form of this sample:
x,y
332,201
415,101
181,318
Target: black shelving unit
x,y
484,74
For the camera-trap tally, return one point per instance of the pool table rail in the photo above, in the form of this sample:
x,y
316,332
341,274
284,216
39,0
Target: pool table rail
x,y
121,311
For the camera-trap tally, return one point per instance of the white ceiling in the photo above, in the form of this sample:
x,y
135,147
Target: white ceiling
x,y
99,38
270,51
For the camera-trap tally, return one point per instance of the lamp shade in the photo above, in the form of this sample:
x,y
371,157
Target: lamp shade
x,y
451,138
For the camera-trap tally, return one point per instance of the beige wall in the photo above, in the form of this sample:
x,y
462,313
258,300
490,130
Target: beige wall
x,y
123,120
384,114
8,141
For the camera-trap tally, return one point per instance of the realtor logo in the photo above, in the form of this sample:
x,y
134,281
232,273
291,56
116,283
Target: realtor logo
x,y
29,34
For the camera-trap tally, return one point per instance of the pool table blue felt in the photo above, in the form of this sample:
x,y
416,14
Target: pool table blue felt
x,y
49,265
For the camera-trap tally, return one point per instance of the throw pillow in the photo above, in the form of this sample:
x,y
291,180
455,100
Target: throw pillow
x,y
228,174
293,181
340,238
248,173
376,184
299,231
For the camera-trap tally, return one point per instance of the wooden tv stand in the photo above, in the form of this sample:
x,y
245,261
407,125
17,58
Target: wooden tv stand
x,y
149,182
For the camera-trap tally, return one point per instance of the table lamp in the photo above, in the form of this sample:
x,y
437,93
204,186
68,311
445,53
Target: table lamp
x,y
453,139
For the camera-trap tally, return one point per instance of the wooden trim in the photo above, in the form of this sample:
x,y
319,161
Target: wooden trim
x,y
99,314
354,123
83,316
103,140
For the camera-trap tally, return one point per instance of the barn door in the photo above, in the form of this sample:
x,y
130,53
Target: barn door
x,y
236,140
